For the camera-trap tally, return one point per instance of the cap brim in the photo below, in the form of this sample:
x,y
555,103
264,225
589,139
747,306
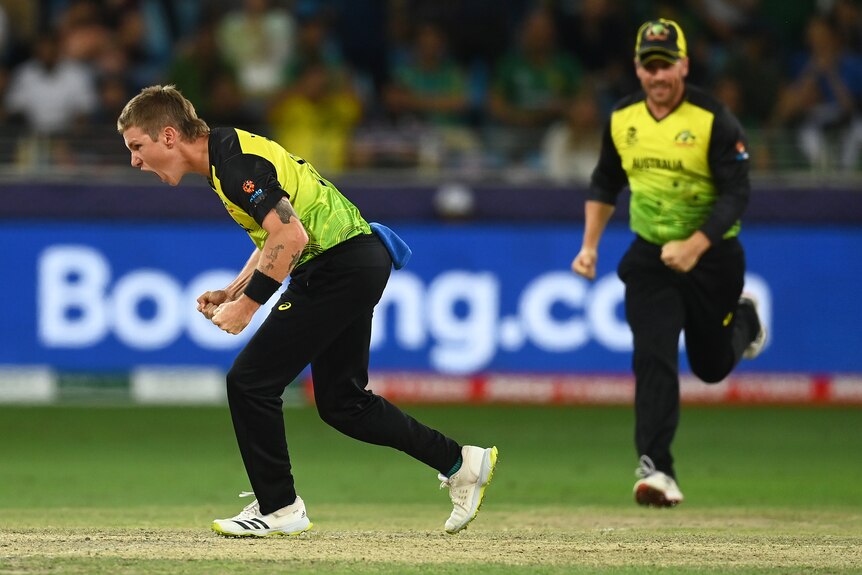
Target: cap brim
x,y
658,54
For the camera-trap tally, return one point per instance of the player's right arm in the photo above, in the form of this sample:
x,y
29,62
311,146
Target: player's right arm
x,y
608,180
596,218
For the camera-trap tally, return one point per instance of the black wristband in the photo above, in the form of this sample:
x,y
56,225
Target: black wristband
x,y
261,287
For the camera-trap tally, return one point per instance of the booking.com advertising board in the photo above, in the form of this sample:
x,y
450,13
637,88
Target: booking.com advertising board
x,y
474,298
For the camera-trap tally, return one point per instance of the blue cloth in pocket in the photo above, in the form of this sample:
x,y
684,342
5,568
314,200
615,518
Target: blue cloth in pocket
x,y
398,249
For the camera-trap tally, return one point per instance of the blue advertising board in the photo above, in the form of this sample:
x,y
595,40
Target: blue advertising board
x,y
474,298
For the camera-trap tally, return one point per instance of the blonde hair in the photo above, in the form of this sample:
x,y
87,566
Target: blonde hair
x,y
159,106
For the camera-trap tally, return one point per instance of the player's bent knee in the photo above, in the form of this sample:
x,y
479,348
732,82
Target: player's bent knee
x,y
340,413
336,418
239,385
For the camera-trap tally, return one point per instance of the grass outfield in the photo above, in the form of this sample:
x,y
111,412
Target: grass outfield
x,y
134,490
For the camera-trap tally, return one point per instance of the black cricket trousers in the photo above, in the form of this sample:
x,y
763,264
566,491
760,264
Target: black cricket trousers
x,y
322,318
660,303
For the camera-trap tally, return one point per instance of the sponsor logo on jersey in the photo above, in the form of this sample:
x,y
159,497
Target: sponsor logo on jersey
x,y
741,152
257,195
685,138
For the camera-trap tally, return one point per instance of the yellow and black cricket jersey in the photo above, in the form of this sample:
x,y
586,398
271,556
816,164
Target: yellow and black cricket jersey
x,y
687,171
252,173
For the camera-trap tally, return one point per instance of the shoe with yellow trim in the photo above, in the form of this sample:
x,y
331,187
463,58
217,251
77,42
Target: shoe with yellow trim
x,y
290,520
467,485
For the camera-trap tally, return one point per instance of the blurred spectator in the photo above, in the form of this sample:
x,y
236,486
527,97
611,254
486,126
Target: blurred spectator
x,y
571,146
315,119
398,34
429,88
180,17
592,29
481,30
115,37
227,106
97,145
48,95
359,28
314,47
83,30
237,59
731,92
258,41
132,36
725,19
846,19
530,90
756,68
533,82
823,97
48,92
429,92
113,93
197,64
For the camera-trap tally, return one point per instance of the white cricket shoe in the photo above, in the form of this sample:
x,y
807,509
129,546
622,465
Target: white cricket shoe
x,y
290,520
655,488
756,346
467,485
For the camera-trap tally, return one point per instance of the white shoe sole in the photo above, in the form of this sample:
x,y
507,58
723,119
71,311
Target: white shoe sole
x,y
288,531
486,473
649,496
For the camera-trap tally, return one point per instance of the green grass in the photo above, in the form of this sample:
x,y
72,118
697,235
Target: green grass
x,y
133,490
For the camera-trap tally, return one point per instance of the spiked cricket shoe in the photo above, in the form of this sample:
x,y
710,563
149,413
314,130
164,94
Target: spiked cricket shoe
x,y
290,520
467,485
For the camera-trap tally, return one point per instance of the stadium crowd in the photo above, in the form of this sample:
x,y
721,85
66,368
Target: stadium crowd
x,y
514,86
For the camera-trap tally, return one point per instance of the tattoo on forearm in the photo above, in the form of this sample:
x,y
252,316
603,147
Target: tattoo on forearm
x,y
295,260
285,211
272,255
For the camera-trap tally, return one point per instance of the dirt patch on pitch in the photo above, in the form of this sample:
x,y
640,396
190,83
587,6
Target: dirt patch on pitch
x,y
557,540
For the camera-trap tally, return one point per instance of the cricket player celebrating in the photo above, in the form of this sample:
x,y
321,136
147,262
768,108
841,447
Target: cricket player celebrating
x,y
684,157
305,229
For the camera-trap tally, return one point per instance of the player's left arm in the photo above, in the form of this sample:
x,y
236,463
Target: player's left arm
x,y
286,241
280,253
251,182
729,164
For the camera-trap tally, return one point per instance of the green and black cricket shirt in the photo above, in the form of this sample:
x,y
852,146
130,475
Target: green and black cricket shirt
x,y
687,171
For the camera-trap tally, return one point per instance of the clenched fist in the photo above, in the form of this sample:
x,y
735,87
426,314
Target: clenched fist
x,y
584,263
